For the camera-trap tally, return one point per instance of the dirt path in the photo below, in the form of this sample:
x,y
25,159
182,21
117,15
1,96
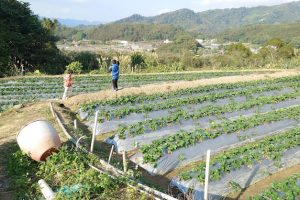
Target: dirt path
x,y
265,183
73,102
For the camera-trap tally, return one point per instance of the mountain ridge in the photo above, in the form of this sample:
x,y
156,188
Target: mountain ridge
x,y
217,20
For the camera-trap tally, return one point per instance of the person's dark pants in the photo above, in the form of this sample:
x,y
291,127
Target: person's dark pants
x,y
115,84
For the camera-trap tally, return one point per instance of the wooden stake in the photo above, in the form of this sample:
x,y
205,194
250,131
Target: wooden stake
x,y
94,131
206,175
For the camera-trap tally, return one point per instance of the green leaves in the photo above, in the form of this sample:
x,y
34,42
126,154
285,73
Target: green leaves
x,y
286,189
271,147
66,171
183,139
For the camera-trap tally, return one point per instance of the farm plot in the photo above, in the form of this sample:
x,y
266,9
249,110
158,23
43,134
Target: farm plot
x,y
251,128
21,90
286,189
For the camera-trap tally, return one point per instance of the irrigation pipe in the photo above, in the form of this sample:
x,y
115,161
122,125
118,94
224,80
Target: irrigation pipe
x,y
77,143
61,125
144,189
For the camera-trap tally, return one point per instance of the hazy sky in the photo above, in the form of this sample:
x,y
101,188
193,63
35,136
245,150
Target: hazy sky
x,y
110,10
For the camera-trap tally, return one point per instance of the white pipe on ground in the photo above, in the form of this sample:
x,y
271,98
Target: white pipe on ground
x,y
46,190
77,143
75,124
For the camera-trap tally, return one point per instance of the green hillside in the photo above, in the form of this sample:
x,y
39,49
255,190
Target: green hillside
x,y
259,34
131,32
218,20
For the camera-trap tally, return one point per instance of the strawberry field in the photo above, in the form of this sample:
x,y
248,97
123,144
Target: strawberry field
x,y
27,89
252,129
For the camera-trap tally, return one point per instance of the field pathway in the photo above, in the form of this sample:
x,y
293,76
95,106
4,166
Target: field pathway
x,y
75,101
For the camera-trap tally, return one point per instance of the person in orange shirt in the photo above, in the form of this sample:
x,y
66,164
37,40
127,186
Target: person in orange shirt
x,y
68,84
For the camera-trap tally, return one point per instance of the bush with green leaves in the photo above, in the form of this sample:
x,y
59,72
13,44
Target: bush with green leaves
x,y
76,67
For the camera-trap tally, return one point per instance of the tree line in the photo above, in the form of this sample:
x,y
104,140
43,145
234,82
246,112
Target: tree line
x,y
130,32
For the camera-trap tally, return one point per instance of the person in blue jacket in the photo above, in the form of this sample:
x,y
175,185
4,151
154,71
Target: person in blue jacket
x,y
114,69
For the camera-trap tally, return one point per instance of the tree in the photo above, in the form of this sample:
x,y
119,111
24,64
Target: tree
x,y
137,60
25,42
89,60
239,50
276,42
76,67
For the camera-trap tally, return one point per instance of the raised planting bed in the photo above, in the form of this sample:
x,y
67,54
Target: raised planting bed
x,y
35,88
243,166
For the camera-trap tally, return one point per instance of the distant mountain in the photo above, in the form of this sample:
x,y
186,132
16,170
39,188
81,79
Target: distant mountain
x,y
260,33
75,22
218,20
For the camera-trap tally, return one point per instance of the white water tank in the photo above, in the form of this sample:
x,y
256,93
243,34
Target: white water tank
x,y
38,139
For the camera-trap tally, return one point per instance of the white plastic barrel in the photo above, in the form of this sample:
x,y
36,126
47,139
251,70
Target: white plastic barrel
x,y
38,139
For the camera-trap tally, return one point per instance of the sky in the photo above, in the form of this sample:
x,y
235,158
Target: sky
x,y
111,10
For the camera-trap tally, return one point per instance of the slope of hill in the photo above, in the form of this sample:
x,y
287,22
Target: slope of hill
x,y
131,32
261,33
218,20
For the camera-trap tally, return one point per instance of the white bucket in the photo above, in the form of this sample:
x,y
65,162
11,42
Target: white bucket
x,y
38,139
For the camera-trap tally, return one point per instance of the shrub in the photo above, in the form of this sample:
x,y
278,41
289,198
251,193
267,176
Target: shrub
x,y
76,67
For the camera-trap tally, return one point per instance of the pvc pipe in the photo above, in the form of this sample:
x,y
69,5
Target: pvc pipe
x,y
111,151
61,125
46,190
206,175
94,131
75,124
124,162
77,143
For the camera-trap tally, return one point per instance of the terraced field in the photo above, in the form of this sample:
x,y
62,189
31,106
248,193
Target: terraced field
x,y
252,129
22,90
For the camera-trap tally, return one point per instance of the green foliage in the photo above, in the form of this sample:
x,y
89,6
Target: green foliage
x,y
131,32
285,189
271,147
26,41
261,33
88,60
76,67
239,50
21,170
276,42
66,171
69,169
80,35
215,21
136,60
183,43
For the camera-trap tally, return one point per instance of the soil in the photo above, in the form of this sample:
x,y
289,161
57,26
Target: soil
x,y
265,183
